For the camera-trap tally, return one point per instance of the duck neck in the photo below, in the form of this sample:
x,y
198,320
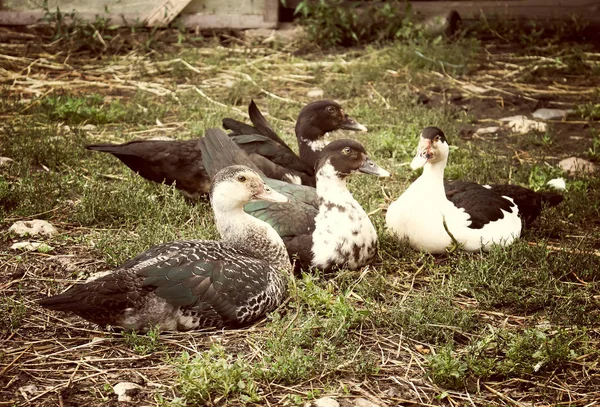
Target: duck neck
x,y
433,176
331,187
251,235
310,141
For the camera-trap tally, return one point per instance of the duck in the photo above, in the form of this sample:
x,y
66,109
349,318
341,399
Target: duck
x,y
432,214
274,157
179,162
195,284
322,227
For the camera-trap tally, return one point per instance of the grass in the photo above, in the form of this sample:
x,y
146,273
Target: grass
x,y
461,328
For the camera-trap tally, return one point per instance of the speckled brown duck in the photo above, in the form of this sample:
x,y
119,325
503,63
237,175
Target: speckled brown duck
x,y
195,284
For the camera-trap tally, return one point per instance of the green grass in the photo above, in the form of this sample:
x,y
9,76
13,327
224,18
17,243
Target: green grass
x,y
526,312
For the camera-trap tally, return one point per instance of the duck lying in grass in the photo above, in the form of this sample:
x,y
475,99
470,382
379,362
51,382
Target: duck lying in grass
x,y
274,157
321,227
180,162
195,284
432,213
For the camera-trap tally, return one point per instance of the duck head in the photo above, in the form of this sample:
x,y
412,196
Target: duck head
x,y
235,186
432,148
344,157
324,116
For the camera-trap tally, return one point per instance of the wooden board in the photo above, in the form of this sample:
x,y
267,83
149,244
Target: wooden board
x,y
238,14
165,12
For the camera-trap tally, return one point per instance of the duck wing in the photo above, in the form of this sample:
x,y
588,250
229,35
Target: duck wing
x,y
529,202
211,281
168,161
482,204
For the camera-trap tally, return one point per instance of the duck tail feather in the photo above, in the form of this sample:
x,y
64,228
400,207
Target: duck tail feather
x,y
551,198
107,148
238,128
219,151
262,125
61,302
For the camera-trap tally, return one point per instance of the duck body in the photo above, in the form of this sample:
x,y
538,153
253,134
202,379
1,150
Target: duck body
x,y
321,227
343,234
477,217
195,284
176,162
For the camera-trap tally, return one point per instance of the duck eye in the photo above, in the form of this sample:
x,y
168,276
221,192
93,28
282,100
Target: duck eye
x,y
330,109
346,150
241,178
437,138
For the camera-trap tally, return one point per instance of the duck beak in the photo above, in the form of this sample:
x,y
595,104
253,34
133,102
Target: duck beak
x,y
369,167
350,124
423,154
268,194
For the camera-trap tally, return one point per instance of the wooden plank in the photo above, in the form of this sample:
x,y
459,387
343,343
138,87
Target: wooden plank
x,y
165,12
35,16
225,7
236,21
271,11
139,7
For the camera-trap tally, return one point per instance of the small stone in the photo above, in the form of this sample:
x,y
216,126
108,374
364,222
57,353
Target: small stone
x,y
422,349
125,390
362,402
30,388
4,161
326,402
522,125
487,130
575,165
32,246
557,183
551,114
315,93
34,227
89,127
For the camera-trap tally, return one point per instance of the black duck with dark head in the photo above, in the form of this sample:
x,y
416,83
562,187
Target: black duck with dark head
x,y
180,162
278,160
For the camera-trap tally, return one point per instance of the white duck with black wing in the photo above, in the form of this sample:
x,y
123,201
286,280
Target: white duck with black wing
x,y
478,220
